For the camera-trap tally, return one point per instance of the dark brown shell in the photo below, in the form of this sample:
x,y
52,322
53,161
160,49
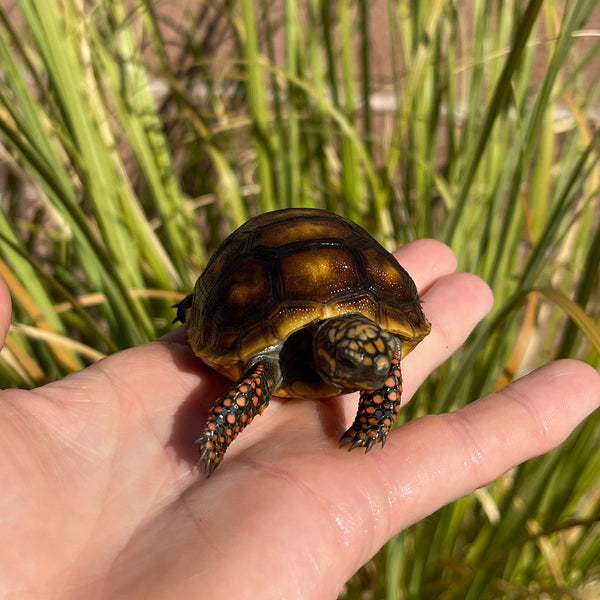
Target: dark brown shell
x,y
285,269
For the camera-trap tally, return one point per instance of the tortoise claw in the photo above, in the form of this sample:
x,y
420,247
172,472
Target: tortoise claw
x,y
209,466
182,308
360,438
208,455
370,443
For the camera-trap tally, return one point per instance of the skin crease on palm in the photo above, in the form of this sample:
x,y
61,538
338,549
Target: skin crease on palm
x,y
100,497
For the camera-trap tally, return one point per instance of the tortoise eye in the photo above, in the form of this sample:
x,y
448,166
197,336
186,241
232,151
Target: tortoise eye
x,y
344,361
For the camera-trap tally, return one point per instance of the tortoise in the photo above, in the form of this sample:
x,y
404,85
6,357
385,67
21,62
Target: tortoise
x,y
302,303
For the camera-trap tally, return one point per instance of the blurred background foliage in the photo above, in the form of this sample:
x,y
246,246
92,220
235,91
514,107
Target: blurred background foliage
x,y
136,134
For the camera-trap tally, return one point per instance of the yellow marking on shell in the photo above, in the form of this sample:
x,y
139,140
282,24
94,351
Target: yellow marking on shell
x,y
367,360
379,344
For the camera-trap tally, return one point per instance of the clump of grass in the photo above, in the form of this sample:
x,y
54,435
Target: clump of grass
x,y
134,141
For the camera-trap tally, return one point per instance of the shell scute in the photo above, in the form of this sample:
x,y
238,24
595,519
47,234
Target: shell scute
x,y
322,273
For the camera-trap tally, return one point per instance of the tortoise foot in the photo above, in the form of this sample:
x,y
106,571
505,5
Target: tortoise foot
x,y
211,451
231,413
366,439
377,412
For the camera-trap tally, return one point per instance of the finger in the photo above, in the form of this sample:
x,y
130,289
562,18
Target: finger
x,y
426,261
454,305
5,310
439,458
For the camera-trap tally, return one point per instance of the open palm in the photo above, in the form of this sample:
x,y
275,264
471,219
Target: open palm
x,y
100,495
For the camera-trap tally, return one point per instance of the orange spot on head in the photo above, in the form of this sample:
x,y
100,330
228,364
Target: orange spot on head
x,y
231,419
390,382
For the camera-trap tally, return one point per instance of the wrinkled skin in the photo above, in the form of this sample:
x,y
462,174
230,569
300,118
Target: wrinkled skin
x,y
100,497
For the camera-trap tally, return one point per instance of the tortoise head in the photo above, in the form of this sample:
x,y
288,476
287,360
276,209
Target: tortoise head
x,y
352,352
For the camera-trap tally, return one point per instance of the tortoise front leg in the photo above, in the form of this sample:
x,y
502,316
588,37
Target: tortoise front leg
x,y
233,411
377,411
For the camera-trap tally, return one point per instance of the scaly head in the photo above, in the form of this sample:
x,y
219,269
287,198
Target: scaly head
x,y
352,352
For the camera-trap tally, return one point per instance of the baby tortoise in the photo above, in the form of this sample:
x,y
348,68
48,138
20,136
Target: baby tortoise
x,y
302,303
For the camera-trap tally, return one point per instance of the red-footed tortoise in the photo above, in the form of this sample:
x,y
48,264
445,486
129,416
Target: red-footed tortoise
x,y
302,303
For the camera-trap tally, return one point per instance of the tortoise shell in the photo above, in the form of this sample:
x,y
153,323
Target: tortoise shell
x,y
285,270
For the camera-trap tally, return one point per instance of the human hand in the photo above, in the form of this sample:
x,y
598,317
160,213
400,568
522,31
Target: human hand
x,y
100,497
